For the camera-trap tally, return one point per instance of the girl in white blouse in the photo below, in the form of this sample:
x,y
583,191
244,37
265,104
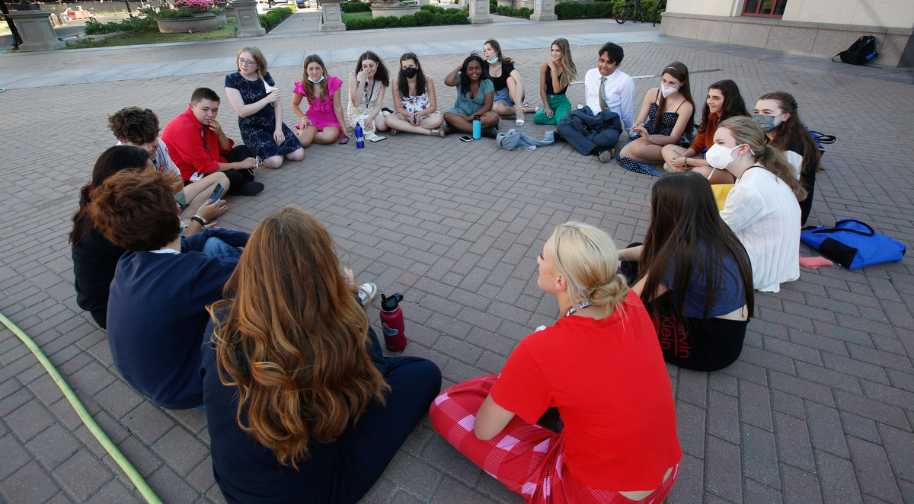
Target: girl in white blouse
x,y
763,208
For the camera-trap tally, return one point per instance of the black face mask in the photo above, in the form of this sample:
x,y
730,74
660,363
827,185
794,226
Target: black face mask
x,y
411,72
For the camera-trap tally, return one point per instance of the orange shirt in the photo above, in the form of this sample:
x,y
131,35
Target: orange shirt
x,y
704,139
609,382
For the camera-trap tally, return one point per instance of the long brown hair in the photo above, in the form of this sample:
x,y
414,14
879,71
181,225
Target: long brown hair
x,y
569,71
403,81
679,72
733,103
294,338
687,233
113,160
381,75
307,85
793,130
747,131
501,57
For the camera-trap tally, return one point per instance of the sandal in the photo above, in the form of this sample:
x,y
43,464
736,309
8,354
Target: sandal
x,y
440,132
520,118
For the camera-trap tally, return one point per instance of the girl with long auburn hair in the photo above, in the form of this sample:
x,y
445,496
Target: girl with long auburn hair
x,y
555,77
762,208
601,356
778,117
414,100
693,275
724,101
323,123
665,118
301,404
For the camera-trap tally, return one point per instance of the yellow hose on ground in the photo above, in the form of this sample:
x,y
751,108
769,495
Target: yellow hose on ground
x,y
87,419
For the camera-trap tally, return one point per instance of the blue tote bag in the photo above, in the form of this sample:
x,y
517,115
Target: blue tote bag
x,y
853,244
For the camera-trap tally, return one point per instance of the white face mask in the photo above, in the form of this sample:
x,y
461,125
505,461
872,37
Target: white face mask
x,y
667,91
719,156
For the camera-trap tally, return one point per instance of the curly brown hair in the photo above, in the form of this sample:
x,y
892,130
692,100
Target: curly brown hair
x,y
294,338
136,210
135,125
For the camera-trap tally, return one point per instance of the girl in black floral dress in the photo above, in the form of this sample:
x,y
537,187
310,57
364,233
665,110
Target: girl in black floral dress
x,y
260,111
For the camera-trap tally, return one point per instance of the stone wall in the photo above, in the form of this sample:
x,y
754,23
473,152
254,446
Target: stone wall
x,y
824,40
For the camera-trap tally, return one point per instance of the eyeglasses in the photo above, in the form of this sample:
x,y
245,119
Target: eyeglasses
x,y
246,62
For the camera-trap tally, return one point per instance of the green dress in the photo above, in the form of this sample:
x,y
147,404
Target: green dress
x,y
469,105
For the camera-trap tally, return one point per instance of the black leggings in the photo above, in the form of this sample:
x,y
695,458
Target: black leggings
x,y
237,178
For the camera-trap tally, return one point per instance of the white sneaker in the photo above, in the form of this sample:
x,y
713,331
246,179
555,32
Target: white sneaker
x,y
367,292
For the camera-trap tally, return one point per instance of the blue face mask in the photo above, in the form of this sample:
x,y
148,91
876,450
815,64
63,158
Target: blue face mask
x,y
183,227
766,122
493,60
315,81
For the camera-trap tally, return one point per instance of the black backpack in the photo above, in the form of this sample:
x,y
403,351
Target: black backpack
x,y
860,52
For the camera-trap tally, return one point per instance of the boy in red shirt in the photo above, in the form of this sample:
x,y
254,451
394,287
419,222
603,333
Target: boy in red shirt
x,y
199,147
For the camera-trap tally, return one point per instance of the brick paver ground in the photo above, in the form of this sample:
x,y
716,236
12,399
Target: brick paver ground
x,y
819,407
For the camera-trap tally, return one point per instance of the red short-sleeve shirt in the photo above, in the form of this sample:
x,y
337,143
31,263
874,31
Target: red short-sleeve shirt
x,y
609,382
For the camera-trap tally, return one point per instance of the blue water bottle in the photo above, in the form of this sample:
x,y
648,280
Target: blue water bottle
x,y
477,127
359,139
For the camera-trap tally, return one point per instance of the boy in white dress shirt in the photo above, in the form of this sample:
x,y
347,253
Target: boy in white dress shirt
x,y
595,129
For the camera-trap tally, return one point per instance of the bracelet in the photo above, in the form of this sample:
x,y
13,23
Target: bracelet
x,y
201,220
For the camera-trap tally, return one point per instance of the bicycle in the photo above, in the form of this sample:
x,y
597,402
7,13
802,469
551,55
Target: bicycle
x,y
635,7
628,11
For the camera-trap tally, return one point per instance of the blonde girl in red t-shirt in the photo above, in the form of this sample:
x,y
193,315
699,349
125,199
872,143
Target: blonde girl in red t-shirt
x,y
600,366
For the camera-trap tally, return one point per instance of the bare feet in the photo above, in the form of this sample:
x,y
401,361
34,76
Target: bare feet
x,y
439,132
393,132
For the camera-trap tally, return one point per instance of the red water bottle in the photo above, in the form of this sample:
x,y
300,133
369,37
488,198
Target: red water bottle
x,y
392,322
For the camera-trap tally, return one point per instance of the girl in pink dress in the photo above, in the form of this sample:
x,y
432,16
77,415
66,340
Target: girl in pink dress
x,y
322,122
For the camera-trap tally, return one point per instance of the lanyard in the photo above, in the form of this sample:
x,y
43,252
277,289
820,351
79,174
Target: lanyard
x,y
367,101
574,310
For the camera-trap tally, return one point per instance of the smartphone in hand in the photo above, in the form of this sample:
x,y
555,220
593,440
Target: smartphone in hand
x,y
217,192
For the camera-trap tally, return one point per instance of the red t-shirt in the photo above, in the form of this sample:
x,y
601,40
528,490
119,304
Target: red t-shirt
x,y
193,148
609,382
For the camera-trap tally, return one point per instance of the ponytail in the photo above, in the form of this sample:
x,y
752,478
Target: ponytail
x,y
774,161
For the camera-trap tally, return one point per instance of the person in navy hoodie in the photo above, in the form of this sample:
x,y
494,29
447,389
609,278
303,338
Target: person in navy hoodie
x,y
163,283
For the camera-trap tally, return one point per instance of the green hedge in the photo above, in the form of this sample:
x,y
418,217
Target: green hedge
x,y
603,9
132,24
508,11
274,16
355,7
425,17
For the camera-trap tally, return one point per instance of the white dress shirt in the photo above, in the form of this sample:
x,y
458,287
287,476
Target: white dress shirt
x,y
619,90
765,215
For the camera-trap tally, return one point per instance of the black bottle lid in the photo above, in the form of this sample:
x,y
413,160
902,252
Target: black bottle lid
x,y
390,304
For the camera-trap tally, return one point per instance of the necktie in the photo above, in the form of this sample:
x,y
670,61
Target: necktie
x,y
603,106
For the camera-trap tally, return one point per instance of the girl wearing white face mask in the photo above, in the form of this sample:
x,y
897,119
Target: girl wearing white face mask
x,y
665,118
762,207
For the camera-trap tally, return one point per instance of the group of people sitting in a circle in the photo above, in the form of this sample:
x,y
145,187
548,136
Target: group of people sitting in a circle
x,y
269,335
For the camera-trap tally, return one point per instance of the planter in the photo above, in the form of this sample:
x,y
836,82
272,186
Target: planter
x,y
200,22
229,13
192,10
396,9
506,3
221,19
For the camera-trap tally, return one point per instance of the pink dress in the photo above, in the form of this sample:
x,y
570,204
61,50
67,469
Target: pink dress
x,y
320,112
